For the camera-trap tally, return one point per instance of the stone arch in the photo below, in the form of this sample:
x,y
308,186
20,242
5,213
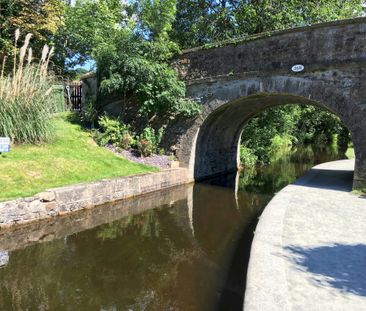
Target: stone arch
x,y
210,146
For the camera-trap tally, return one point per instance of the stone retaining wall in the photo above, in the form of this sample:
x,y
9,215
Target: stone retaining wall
x,y
65,200
18,237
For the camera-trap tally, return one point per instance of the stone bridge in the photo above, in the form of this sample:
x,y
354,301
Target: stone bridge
x,y
236,80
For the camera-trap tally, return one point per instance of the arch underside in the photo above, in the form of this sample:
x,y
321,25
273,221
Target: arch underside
x,y
217,149
211,146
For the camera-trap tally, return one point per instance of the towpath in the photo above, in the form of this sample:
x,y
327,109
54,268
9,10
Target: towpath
x,y
309,250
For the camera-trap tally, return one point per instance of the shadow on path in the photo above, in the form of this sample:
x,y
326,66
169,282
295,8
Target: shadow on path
x,y
339,266
327,179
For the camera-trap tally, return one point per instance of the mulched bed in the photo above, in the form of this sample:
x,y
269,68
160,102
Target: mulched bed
x,y
161,161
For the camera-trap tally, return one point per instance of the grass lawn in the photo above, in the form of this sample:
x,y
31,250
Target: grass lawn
x,y
71,158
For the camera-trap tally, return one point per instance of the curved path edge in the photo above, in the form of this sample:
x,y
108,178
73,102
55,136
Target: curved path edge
x,y
266,287
304,241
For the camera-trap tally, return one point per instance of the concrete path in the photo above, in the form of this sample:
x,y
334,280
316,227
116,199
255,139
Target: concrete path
x,y
309,250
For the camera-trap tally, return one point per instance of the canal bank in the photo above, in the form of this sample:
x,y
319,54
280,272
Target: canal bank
x,y
309,248
65,200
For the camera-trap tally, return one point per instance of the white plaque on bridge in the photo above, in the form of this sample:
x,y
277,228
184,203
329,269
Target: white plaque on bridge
x,y
297,68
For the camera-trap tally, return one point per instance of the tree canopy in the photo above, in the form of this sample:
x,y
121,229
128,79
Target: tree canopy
x,y
42,18
131,47
203,21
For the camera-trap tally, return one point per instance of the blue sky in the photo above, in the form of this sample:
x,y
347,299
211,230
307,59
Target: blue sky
x,y
88,65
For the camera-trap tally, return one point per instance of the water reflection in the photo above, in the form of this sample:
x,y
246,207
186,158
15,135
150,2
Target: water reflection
x,y
182,249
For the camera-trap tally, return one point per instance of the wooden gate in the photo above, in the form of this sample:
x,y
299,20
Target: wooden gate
x,y
73,94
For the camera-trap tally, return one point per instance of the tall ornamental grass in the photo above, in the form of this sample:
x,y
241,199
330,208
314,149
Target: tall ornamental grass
x,y
25,102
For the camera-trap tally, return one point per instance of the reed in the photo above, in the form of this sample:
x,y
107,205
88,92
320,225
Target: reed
x,y
25,102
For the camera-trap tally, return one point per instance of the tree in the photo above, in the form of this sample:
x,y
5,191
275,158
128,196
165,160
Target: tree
x,y
156,17
204,21
131,46
42,18
87,25
265,15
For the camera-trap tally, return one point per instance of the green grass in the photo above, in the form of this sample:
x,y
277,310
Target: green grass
x,y
350,154
360,192
71,158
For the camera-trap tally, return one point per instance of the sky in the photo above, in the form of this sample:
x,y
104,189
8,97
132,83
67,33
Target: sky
x,y
88,65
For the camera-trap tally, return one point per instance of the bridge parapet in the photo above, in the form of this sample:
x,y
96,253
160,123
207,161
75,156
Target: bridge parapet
x,y
317,47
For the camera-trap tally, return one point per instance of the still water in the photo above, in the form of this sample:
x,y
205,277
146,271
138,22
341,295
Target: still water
x,y
185,249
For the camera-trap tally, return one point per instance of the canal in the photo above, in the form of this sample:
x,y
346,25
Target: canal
x,y
182,249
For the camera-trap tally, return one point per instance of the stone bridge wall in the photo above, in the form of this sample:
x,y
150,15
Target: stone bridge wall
x,y
317,47
235,81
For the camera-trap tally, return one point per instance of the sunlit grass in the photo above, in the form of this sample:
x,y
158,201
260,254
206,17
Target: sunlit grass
x,y
71,158
360,192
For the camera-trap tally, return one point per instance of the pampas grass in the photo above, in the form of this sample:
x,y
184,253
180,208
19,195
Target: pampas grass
x,y
25,102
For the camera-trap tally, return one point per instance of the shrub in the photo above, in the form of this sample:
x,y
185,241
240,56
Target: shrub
x,y
247,157
25,101
148,142
280,146
111,129
88,113
144,147
127,140
114,132
99,138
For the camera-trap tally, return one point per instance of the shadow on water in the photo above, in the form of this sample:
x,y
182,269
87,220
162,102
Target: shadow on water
x,y
339,266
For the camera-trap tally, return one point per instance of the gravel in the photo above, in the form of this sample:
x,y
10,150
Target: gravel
x,y
161,161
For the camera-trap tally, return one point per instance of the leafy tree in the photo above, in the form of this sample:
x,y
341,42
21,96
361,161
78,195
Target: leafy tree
x,y
87,25
203,21
131,46
260,131
152,82
156,17
42,18
265,15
